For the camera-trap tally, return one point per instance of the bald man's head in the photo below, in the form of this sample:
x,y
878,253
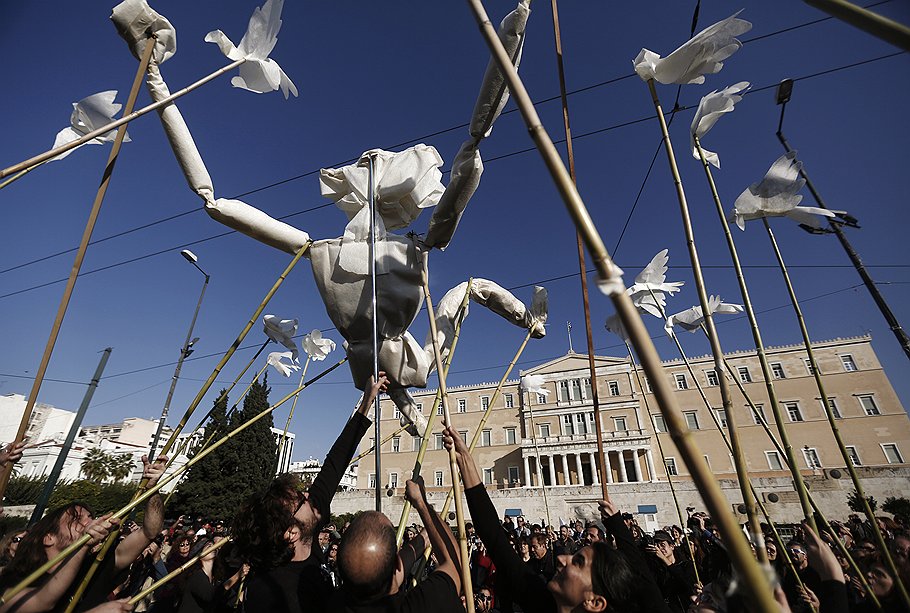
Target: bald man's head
x,y
367,558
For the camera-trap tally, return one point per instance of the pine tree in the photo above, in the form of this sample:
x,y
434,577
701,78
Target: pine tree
x,y
253,451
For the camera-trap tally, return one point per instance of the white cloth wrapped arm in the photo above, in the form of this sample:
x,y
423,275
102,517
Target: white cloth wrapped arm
x,y
135,20
463,181
232,213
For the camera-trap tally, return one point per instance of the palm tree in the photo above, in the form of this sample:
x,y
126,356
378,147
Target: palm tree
x,y
120,466
96,465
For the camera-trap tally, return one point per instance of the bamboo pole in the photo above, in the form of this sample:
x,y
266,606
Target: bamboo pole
x,y
77,266
589,335
148,493
798,482
21,174
543,486
177,571
128,116
384,441
424,444
610,283
848,462
287,424
467,588
881,27
739,458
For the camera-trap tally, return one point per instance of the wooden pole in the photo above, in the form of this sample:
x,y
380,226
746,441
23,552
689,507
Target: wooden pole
x,y
739,459
128,116
610,282
77,266
467,588
848,462
583,276
424,444
881,27
798,482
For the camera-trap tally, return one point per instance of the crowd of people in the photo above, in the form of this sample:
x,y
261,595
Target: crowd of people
x,y
282,553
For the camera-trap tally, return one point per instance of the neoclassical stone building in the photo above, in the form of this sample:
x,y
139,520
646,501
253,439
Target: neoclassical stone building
x,y
550,441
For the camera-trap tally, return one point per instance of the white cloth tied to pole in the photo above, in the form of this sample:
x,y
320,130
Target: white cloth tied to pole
x,y
284,362
614,325
317,347
534,384
281,331
258,73
691,319
467,167
700,55
135,20
711,108
89,114
648,291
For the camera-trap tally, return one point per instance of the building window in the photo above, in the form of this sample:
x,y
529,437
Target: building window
x,y
853,455
396,413
462,405
484,403
513,476
692,420
510,436
438,478
681,383
541,398
544,430
869,405
849,364
396,444
614,387
659,424
416,442
438,441
393,480
707,462
648,385
488,476
576,390
774,462
758,415
439,410
619,424
580,426
568,426
721,417
563,389
744,375
586,391
464,436
670,463
420,408
793,411
832,405
811,456
711,378
372,481
892,453
777,369
809,368
486,438
510,401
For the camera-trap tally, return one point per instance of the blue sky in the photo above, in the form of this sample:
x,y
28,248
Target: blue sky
x,y
391,74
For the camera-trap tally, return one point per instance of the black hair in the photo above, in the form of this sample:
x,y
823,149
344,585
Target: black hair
x,y
260,525
613,577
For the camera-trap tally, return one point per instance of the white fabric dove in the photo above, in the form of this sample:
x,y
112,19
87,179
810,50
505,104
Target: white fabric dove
x,y
614,325
316,347
700,55
692,319
710,109
776,195
534,384
648,291
281,331
284,362
90,114
258,73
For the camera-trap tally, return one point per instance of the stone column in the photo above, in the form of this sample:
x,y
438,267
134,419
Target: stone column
x,y
527,482
552,470
565,469
592,458
608,467
652,475
581,475
623,476
636,464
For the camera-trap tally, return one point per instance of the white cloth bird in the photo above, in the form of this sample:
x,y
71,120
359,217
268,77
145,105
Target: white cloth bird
x,y
90,114
258,73
711,108
776,195
534,384
648,291
692,319
614,325
284,362
700,55
316,347
281,331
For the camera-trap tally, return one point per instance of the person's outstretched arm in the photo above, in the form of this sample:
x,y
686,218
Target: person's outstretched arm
x,y
440,536
134,543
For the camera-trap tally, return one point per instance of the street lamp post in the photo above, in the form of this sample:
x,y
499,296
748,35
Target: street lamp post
x,y
784,91
185,351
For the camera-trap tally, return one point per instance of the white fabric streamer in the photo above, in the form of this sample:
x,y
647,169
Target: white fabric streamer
x,y
88,115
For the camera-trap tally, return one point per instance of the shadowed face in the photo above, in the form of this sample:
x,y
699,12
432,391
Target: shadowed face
x,y
572,583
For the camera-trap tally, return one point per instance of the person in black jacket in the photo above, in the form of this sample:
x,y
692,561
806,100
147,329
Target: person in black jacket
x,y
288,578
594,579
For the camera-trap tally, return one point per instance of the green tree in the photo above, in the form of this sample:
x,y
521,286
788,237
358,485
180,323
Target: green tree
x,y
855,502
898,507
120,466
100,497
96,465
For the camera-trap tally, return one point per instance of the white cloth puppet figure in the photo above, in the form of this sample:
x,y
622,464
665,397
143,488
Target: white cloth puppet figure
x,y
614,325
692,319
284,362
316,347
406,182
88,115
711,108
534,384
700,55
282,331
651,285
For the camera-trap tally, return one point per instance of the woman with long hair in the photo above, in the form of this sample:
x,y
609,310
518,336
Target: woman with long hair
x,y
8,545
199,592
